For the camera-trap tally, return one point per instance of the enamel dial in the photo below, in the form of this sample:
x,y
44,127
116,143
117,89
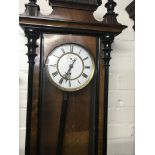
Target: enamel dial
x,y
70,67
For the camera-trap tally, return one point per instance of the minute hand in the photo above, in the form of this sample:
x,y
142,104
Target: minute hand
x,y
70,67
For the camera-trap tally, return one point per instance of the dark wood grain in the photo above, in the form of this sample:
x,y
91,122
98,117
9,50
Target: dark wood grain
x,y
78,1
94,113
41,92
77,4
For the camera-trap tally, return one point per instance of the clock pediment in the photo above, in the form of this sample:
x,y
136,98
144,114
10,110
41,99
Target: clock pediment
x,y
90,5
88,2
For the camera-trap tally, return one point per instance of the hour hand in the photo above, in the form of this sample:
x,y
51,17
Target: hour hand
x,y
67,76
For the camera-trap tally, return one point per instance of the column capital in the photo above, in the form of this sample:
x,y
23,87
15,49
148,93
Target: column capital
x,y
32,36
107,40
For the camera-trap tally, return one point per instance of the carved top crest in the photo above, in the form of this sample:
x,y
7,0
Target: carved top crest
x,y
77,4
72,16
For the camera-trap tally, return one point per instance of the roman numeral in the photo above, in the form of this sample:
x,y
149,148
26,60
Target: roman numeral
x,y
69,83
61,80
84,75
80,51
85,58
63,50
79,82
55,73
53,65
87,67
71,48
56,56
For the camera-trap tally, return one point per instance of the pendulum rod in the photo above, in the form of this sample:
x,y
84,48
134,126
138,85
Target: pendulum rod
x,y
62,123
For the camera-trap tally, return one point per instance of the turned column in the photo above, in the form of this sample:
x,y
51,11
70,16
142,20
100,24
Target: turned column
x,y
109,18
107,40
32,36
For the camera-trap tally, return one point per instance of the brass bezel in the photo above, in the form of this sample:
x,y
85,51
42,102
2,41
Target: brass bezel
x,y
72,89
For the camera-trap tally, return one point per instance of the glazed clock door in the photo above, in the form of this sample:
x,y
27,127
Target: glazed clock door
x,y
69,65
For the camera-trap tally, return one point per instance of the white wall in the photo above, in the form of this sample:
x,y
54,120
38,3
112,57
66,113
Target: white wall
x,y
121,93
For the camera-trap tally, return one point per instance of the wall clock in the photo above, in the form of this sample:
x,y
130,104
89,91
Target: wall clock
x,y
68,56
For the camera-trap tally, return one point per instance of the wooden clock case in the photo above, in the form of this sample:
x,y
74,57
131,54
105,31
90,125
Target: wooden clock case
x,y
59,122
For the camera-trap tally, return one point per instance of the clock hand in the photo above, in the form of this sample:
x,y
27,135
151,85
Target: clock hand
x,y
71,65
68,74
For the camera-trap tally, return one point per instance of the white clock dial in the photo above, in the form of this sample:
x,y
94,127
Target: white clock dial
x,y
70,67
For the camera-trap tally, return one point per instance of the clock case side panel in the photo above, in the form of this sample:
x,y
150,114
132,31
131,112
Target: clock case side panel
x,y
96,105
46,108
93,141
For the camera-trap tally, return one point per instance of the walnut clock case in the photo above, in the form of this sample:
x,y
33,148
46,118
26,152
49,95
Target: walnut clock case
x,y
68,56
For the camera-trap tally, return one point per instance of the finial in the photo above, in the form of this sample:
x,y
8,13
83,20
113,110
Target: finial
x,y
110,5
110,16
33,1
32,9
